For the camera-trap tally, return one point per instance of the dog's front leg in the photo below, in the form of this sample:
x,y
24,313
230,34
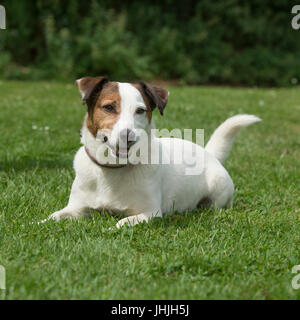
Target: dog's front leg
x,y
69,213
77,206
142,217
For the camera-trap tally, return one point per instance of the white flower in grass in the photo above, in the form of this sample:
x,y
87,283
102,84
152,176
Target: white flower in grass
x,y
34,127
261,103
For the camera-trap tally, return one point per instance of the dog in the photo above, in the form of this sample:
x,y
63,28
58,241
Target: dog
x,y
143,191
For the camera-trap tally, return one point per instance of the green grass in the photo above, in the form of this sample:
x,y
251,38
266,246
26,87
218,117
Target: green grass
x,y
246,252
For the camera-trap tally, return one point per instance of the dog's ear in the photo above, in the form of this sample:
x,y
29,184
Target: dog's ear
x,y
90,87
158,97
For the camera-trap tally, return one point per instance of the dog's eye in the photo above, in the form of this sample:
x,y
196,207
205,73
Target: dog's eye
x,y
109,108
140,111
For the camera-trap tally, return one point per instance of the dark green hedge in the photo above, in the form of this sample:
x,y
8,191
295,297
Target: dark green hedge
x,y
236,42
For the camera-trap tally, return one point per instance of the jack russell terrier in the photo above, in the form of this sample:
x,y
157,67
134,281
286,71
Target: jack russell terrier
x,y
115,111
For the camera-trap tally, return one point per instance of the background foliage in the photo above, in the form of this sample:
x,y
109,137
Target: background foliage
x,y
233,41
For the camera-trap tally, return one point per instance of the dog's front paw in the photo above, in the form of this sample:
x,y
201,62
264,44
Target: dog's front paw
x,y
61,214
58,215
132,220
54,216
122,222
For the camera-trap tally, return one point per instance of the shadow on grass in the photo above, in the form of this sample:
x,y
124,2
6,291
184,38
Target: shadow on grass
x,y
183,220
173,220
26,163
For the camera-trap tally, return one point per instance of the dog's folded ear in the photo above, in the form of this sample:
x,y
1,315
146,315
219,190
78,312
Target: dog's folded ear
x,y
89,87
158,97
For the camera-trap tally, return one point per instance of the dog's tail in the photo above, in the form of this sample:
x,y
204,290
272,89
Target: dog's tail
x,y
221,141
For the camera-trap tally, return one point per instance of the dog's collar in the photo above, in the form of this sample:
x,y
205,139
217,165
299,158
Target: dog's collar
x,y
101,164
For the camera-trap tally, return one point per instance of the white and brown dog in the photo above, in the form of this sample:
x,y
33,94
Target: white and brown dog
x,y
143,191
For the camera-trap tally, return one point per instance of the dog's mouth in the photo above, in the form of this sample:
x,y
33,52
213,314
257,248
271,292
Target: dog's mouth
x,y
121,151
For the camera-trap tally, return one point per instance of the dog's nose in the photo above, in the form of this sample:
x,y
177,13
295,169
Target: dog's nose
x,y
128,136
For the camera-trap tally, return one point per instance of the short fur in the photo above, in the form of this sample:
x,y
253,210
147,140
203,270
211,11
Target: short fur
x,y
140,191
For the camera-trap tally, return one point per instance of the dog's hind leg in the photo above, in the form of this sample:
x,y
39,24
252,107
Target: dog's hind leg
x,y
222,195
221,189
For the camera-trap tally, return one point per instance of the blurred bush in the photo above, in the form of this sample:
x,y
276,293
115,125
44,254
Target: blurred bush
x,y
233,41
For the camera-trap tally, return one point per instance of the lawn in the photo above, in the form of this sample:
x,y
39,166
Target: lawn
x,y
246,252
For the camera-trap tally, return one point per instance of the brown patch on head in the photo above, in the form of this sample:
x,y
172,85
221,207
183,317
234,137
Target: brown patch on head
x,y
98,93
153,96
100,118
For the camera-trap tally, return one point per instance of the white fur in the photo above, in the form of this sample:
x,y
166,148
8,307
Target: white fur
x,y
131,99
221,141
145,191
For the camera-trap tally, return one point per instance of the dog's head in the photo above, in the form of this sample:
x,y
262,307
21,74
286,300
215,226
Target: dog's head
x,y
117,110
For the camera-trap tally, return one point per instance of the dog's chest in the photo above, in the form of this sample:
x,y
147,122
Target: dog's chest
x,y
123,193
